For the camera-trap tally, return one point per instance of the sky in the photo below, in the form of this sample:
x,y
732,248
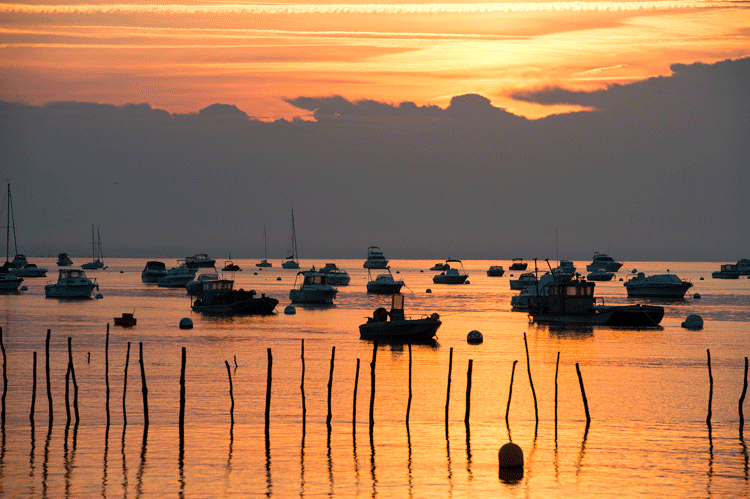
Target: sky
x,y
432,130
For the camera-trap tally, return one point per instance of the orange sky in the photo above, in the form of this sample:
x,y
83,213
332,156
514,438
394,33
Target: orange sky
x,y
184,57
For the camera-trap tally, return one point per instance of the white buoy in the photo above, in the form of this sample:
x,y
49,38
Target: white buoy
x,y
186,323
474,337
697,295
693,322
290,310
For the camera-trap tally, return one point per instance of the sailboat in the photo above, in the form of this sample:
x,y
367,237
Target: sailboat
x,y
8,281
291,261
96,260
264,262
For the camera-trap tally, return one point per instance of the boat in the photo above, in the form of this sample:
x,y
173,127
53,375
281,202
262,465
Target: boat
x,y
264,262
375,259
195,286
9,281
63,260
200,260
520,302
727,271
176,277
96,260
292,261
29,270
452,275
518,264
19,266
383,284
394,325
572,303
564,271
19,261
495,271
314,288
440,266
603,261
601,275
336,276
219,297
743,266
71,283
656,286
523,280
153,271
229,266
126,320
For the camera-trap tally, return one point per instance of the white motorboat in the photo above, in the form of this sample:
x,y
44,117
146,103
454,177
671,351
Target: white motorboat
x,y
727,271
314,288
97,260
176,277
602,261
452,275
71,283
292,261
29,270
199,260
336,276
523,280
194,287
601,275
375,259
383,284
153,271
657,286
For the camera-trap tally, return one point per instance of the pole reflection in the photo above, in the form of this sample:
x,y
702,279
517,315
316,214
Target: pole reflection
x,y
45,462
373,476
124,463
302,461
468,453
409,463
269,484
579,464
105,461
449,466
142,465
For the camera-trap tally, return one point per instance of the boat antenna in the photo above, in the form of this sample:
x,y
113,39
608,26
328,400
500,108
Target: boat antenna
x,y
536,274
550,269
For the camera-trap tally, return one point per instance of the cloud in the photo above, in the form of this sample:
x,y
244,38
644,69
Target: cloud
x,y
658,172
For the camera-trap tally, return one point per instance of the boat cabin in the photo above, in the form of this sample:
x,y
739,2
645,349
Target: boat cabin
x,y
573,297
314,278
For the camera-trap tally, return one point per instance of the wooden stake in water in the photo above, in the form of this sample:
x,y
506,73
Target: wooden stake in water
x,y
354,397
33,393
510,390
182,389
710,387
408,404
531,381
144,388
742,400
268,389
468,392
73,377
5,377
583,394
106,370
125,388
49,385
330,387
372,383
557,368
231,392
302,382
448,394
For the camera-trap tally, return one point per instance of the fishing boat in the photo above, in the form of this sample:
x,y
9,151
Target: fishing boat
x,y
292,261
220,298
603,261
394,325
383,284
572,303
518,264
657,286
375,259
452,275
495,271
195,287
336,276
314,288
726,271
229,266
153,271
71,283
96,259
63,260
264,262
126,320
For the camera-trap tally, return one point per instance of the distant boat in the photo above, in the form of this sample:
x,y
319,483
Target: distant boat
x,y
495,271
153,271
602,261
29,270
383,284
452,275
71,283
229,266
440,266
518,264
264,262
395,326
201,260
600,275
176,277
126,320
523,280
314,288
375,259
726,271
63,260
565,271
656,286
743,266
96,259
292,260
336,276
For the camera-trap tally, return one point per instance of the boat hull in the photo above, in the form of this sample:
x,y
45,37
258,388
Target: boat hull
x,y
405,330
495,272
237,303
631,316
10,284
312,296
77,291
721,274
375,264
676,291
174,282
449,279
383,289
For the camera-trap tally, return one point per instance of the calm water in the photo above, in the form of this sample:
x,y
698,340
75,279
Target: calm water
x,y
647,392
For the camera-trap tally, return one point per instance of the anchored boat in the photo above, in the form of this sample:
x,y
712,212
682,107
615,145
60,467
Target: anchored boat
x,y
394,325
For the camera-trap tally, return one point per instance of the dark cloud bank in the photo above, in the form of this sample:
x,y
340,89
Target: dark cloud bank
x,y
659,171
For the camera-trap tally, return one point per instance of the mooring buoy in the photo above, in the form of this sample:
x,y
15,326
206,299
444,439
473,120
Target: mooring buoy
x,y
290,310
186,323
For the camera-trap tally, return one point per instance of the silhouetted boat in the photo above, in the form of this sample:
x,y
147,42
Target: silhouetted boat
x,y
395,326
602,261
452,275
195,287
153,271
375,259
264,262
126,320
743,266
314,288
440,266
176,277
71,283
199,260
518,264
573,303
523,280
229,266
383,284
727,271
292,261
336,276
97,261
657,286
29,270
219,297
9,281
600,275
63,260
495,271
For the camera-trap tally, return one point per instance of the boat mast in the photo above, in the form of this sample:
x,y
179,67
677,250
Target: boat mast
x,y
7,229
93,244
99,244
294,240
265,242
